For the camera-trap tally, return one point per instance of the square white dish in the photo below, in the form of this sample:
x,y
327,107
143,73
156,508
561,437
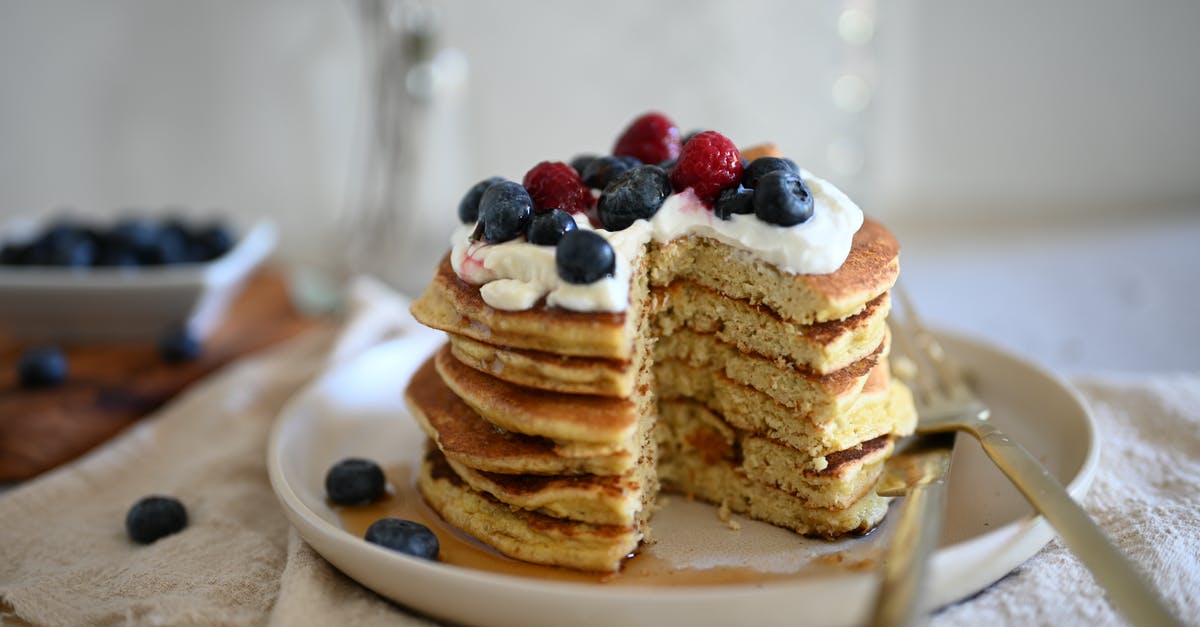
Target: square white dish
x,y
55,304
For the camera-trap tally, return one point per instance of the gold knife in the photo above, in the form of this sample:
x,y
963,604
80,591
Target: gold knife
x,y
919,473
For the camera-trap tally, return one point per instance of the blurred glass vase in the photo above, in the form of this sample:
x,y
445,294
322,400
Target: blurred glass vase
x,y
409,166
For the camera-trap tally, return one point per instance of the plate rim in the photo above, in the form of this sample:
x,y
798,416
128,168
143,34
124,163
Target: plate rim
x,y
1031,532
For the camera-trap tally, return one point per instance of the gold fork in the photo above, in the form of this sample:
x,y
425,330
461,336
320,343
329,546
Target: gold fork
x,y
946,405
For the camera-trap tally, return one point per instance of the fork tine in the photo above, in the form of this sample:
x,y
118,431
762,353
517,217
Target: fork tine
x,y
914,373
948,372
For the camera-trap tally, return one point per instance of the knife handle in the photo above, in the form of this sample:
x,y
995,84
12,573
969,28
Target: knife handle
x,y
906,562
1126,588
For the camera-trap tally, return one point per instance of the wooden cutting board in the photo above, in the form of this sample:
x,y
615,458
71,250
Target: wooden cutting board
x,y
111,386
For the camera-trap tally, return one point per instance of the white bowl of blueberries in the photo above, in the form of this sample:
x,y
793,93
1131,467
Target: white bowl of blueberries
x,y
129,278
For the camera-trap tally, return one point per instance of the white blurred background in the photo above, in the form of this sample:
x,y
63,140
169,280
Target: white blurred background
x,y
977,129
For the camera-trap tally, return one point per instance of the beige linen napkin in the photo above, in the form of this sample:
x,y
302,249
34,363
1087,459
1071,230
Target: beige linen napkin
x,y
1146,497
64,555
65,559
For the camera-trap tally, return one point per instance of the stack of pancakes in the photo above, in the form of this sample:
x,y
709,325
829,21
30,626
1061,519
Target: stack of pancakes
x,y
726,379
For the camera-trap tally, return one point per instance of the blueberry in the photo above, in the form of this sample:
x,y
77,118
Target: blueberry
x,y
504,211
734,200
76,252
638,193
667,164
115,253
155,517
13,254
468,207
763,165
42,368
580,163
601,171
212,242
547,227
135,232
584,257
404,536
782,198
354,481
178,345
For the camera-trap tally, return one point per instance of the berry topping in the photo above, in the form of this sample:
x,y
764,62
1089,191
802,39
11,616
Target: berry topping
x,y
354,481
763,165
178,345
504,212
708,164
555,185
638,193
584,257
580,162
547,227
734,200
651,138
603,170
155,517
782,198
468,207
404,536
692,133
42,368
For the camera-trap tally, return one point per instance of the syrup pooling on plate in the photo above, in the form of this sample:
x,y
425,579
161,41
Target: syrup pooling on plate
x,y
645,569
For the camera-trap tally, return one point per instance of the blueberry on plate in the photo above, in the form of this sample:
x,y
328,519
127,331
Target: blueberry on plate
x,y
42,368
764,165
354,481
155,517
636,194
504,211
734,200
782,198
468,207
178,345
584,257
404,536
547,227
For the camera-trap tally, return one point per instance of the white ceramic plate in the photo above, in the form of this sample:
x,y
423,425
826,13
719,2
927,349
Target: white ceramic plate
x,y
357,409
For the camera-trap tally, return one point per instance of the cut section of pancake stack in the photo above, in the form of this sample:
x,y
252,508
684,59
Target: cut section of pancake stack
x,y
726,379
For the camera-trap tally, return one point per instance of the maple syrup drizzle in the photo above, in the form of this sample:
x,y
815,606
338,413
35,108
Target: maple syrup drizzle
x,y
403,500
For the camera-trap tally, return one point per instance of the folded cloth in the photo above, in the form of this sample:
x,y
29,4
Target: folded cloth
x,y
64,555
65,558
1146,497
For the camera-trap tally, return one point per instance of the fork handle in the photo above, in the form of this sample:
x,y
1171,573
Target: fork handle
x,y
1127,589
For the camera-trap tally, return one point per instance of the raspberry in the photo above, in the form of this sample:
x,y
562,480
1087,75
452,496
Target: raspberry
x,y
556,185
651,138
708,164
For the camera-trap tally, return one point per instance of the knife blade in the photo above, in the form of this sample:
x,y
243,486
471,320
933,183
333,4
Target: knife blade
x,y
919,472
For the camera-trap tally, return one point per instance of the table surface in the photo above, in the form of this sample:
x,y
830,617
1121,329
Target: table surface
x,y
112,385
1111,294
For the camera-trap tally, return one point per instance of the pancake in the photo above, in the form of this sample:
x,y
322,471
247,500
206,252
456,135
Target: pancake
x,y
451,304
717,374
523,534
462,435
882,407
570,417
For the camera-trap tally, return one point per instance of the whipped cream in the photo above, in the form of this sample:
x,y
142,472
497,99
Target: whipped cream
x,y
515,275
